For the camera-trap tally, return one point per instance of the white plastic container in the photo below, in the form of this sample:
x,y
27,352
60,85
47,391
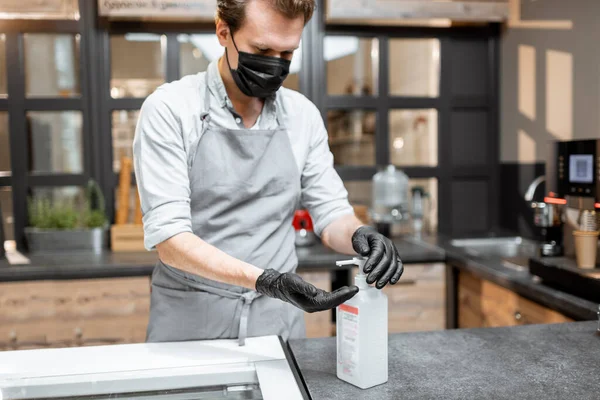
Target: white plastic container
x,y
362,334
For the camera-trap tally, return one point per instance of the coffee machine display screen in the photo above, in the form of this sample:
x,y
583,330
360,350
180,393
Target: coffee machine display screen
x,y
581,168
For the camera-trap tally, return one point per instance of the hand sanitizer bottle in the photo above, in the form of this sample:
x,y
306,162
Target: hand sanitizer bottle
x,y
362,334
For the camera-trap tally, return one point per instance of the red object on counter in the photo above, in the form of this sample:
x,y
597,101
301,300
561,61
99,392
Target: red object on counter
x,y
302,220
554,200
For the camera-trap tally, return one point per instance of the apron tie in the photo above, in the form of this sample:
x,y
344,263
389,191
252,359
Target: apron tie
x,y
248,298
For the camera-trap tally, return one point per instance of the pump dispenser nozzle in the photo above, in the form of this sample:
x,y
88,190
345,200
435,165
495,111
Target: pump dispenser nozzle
x,y
361,279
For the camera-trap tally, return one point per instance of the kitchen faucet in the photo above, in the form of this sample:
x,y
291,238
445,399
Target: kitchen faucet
x,y
533,187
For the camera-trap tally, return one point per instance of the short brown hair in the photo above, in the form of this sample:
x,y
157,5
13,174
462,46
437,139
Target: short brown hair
x,y
233,12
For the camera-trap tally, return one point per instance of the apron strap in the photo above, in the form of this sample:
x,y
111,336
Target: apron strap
x,y
206,112
205,115
248,298
279,111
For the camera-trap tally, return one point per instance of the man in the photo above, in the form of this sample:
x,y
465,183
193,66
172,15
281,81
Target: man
x,y
222,160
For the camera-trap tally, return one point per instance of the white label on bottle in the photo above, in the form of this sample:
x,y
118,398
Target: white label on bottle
x,y
349,339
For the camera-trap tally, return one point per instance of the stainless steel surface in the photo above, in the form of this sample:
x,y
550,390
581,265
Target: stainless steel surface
x,y
533,187
551,249
217,392
168,383
546,215
500,247
512,252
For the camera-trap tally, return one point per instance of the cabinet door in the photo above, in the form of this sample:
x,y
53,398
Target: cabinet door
x,y
482,303
73,313
528,312
417,301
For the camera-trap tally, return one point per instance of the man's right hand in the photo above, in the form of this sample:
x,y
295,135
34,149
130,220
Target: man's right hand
x,y
291,288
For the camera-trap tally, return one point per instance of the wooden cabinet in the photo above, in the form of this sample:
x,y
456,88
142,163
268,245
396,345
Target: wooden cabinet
x,y
73,312
482,303
417,302
46,314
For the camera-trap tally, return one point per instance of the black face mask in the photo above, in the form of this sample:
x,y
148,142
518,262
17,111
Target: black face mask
x,y
258,75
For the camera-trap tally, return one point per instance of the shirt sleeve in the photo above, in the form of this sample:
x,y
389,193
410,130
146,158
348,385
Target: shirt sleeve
x,y
160,163
323,192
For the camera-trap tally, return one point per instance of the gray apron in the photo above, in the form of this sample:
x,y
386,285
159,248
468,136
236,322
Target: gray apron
x,y
245,187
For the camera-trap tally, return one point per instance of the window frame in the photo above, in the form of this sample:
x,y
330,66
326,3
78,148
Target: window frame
x,y
17,104
97,105
445,103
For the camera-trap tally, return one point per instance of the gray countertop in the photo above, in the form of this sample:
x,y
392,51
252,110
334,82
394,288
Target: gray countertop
x,y
517,279
527,362
78,265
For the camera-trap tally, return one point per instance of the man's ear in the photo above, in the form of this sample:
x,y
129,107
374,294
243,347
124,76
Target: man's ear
x,y
222,32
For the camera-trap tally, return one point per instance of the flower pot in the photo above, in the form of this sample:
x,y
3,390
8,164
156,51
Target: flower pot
x,y
51,240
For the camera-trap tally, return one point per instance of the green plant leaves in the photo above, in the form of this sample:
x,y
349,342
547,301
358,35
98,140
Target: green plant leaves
x,y
66,215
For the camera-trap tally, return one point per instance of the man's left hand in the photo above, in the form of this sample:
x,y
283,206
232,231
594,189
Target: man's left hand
x,y
383,263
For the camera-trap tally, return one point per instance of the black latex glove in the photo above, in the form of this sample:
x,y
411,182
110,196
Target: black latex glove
x,y
383,263
291,288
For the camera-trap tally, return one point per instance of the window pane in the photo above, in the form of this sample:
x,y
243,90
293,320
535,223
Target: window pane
x,y
74,195
51,65
123,130
414,68
293,79
56,142
360,192
6,204
352,136
137,64
36,9
4,144
430,210
413,137
360,196
352,65
3,88
197,51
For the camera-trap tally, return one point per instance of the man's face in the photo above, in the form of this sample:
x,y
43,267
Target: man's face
x,y
264,31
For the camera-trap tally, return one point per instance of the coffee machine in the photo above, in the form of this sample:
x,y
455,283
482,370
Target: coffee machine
x,y
548,216
573,182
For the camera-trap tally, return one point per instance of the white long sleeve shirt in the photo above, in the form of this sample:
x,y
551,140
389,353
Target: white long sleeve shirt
x,y
169,129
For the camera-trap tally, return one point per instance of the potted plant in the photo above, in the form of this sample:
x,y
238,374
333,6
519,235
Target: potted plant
x,y
66,226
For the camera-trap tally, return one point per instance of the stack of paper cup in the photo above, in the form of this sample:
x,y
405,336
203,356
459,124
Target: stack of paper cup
x,y
586,247
589,221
